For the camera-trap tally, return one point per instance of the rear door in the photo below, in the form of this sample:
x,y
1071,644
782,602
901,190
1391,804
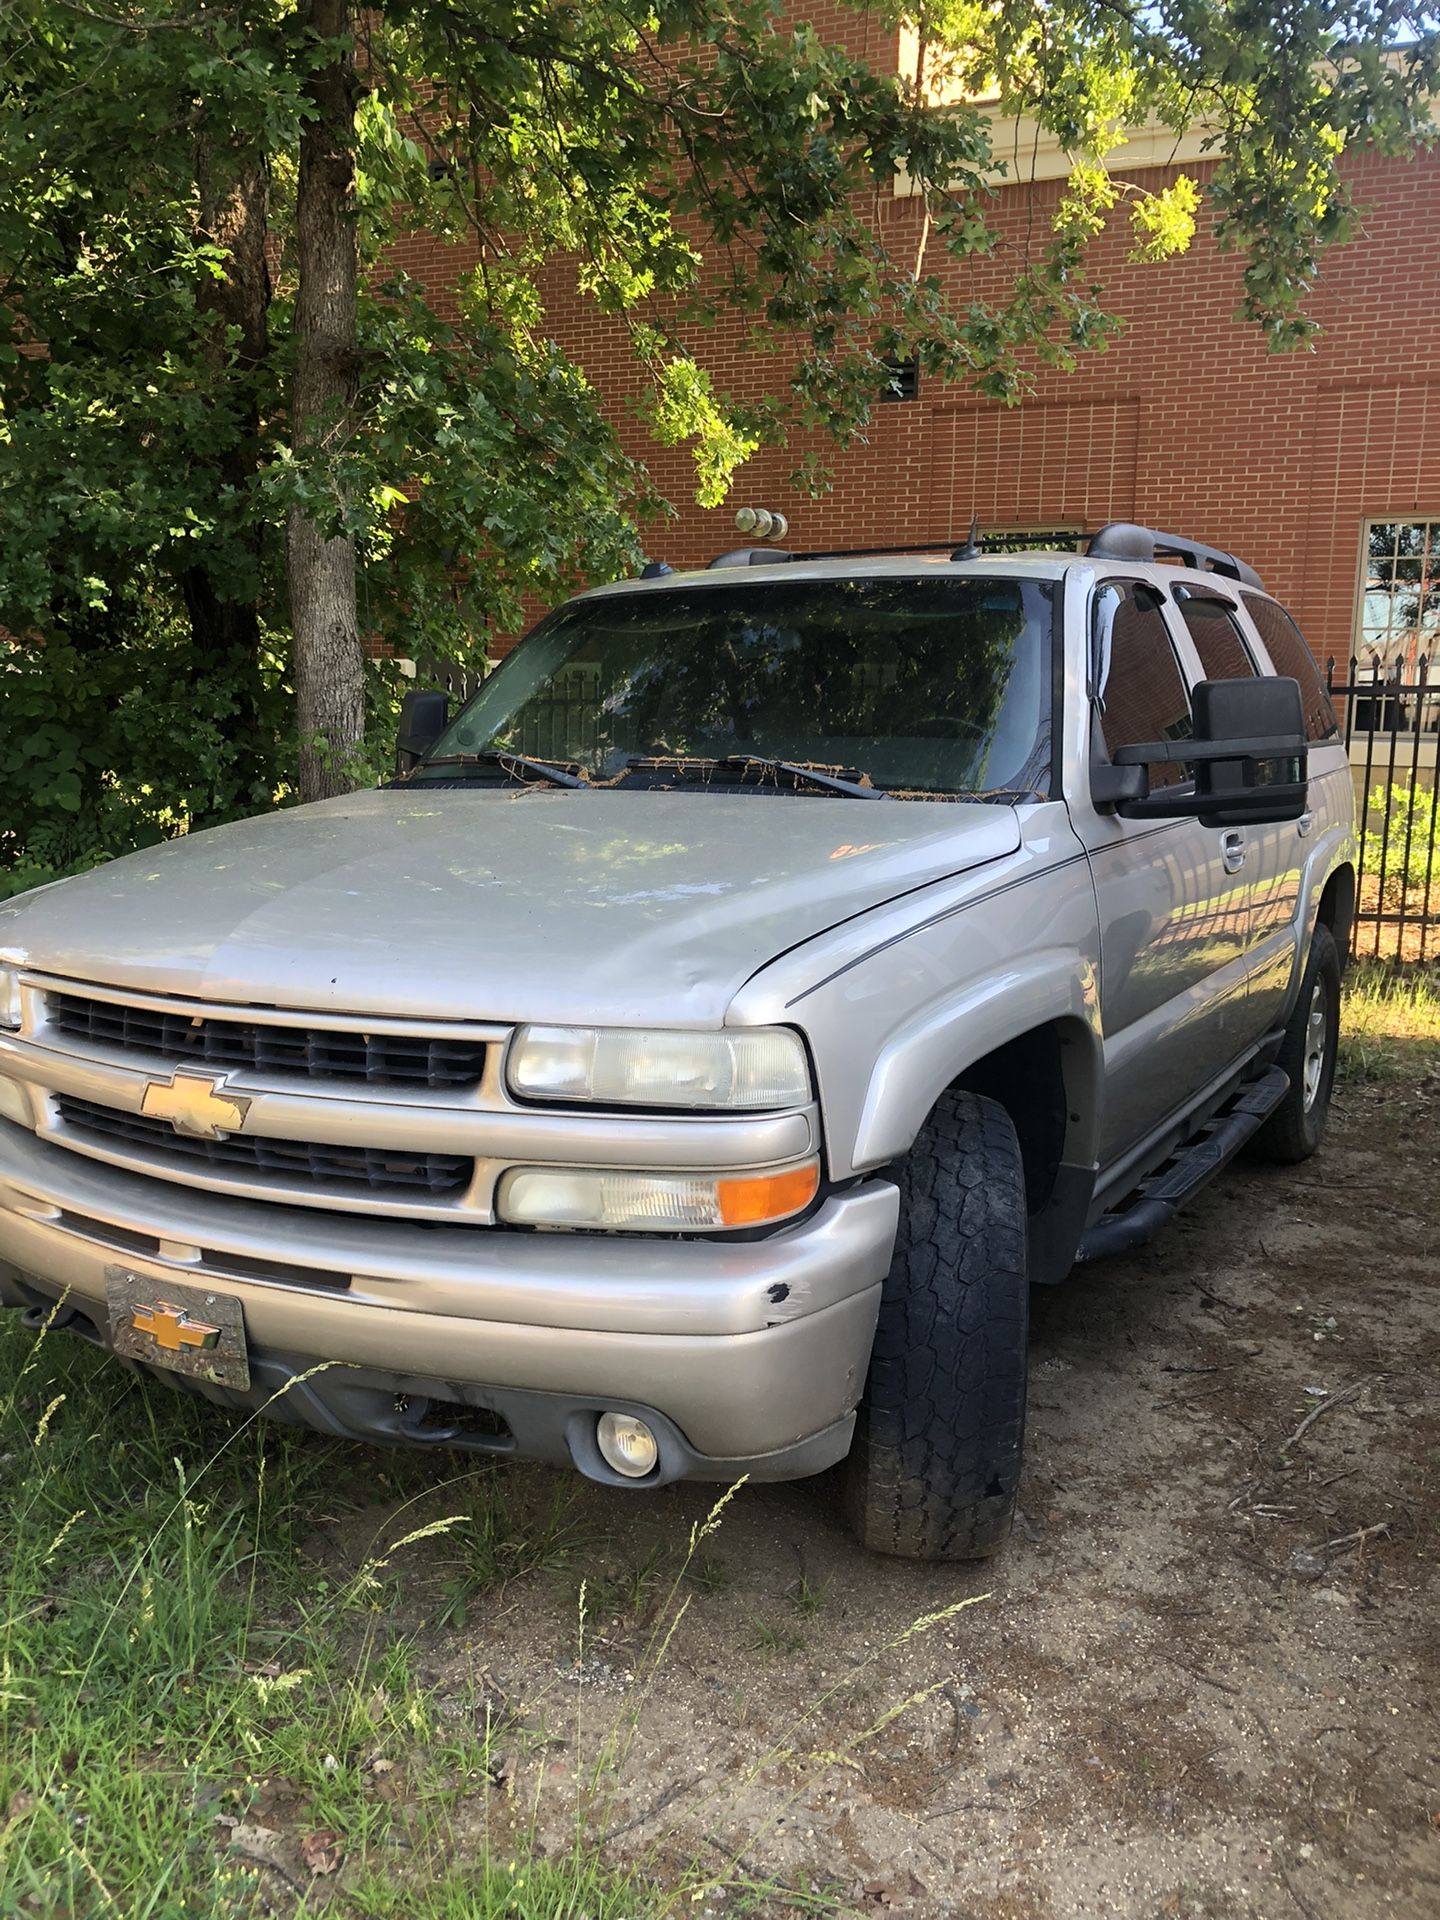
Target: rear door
x,y
1278,930
1172,922
1263,862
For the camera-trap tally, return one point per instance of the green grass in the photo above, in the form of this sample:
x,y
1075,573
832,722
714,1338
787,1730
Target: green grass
x,y
495,1544
572,1888
1390,1022
768,1637
214,1704
172,1663
806,1599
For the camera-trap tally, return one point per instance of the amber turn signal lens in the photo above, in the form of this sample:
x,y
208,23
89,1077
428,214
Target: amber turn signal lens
x,y
757,1198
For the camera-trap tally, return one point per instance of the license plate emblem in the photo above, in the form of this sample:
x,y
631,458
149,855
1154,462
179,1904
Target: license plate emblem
x,y
185,1329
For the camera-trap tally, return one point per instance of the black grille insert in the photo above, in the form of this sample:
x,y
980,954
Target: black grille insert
x,y
315,1053
238,1265
300,1162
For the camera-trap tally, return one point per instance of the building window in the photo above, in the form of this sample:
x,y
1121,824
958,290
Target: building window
x,y
902,380
1399,613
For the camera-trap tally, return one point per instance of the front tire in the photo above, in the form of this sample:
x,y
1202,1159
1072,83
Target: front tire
x,y
935,1466
1308,1054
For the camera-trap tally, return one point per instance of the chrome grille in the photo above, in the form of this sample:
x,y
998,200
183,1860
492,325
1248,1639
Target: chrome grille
x,y
316,1053
299,1163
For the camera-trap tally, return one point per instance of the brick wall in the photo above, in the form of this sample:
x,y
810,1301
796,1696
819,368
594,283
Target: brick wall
x,y
1188,424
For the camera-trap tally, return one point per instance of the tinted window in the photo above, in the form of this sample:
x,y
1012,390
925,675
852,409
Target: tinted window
x,y
926,684
1290,655
1223,652
1144,696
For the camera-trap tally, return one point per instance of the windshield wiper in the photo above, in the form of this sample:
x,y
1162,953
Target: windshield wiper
x,y
830,782
518,763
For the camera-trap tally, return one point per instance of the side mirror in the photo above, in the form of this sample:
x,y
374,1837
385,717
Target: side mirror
x,y
1249,752
424,716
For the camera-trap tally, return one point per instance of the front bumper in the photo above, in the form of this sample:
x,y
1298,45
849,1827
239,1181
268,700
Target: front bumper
x,y
752,1353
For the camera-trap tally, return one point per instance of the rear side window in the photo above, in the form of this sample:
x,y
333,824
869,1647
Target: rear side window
x,y
1218,640
1287,648
1144,696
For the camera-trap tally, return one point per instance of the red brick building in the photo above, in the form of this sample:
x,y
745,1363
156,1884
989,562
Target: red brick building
x,y
1307,464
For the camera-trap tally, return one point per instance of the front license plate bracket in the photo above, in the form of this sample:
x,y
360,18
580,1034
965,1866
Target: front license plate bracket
x,y
183,1328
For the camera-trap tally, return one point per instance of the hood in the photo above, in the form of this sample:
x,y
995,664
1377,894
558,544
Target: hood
x,y
536,904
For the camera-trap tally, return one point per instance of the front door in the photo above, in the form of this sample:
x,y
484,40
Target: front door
x,y
1173,919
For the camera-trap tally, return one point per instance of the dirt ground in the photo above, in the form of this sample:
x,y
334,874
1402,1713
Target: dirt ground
x,y
1203,1679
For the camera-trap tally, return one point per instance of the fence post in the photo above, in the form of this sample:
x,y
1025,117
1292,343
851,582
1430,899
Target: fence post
x,y
1425,695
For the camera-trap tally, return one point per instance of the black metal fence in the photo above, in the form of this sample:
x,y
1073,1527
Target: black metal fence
x,y
1390,713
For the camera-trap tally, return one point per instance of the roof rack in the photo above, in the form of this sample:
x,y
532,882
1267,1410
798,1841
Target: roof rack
x,y
975,546
1119,540
879,553
768,556
1123,540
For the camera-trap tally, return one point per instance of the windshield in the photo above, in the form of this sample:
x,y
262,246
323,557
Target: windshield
x,y
920,686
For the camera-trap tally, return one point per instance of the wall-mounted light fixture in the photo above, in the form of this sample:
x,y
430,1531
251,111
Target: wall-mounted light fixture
x,y
762,523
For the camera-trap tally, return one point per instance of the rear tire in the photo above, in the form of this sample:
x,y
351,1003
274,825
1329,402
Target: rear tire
x,y
935,1465
1308,1054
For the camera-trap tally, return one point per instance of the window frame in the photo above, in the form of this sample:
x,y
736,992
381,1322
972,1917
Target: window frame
x,y
1360,650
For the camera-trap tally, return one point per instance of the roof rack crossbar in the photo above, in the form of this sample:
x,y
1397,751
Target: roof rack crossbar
x,y
761,556
1124,540
879,553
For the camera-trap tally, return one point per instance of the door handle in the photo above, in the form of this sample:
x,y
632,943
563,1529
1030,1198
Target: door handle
x,y
1233,851
1304,826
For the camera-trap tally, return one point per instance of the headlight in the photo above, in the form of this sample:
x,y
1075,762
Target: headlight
x,y
9,998
618,1066
654,1202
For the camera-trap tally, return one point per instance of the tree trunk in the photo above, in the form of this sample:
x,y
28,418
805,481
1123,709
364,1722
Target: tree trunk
x,y
234,188
329,664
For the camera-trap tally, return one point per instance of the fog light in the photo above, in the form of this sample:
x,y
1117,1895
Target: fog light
x,y
627,1445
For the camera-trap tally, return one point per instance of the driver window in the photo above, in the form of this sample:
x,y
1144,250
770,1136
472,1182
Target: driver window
x,y
1144,696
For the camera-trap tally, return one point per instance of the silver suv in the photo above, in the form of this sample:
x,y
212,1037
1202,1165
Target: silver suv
x,y
686,1066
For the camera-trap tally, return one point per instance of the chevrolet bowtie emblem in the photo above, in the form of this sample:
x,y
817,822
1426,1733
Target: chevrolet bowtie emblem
x,y
194,1104
172,1328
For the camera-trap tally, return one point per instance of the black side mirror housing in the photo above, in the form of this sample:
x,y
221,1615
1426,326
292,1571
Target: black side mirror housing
x,y
1268,777
424,715
1249,752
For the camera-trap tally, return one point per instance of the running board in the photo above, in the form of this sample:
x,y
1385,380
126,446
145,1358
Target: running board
x,y
1160,1195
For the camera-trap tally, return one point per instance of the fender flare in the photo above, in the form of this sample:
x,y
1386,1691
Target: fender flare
x,y
938,1043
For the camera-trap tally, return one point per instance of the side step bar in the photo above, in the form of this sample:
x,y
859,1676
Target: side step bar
x,y
1160,1195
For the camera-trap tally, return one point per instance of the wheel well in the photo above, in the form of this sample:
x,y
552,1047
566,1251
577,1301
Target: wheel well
x,y
1337,909
1030,1077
